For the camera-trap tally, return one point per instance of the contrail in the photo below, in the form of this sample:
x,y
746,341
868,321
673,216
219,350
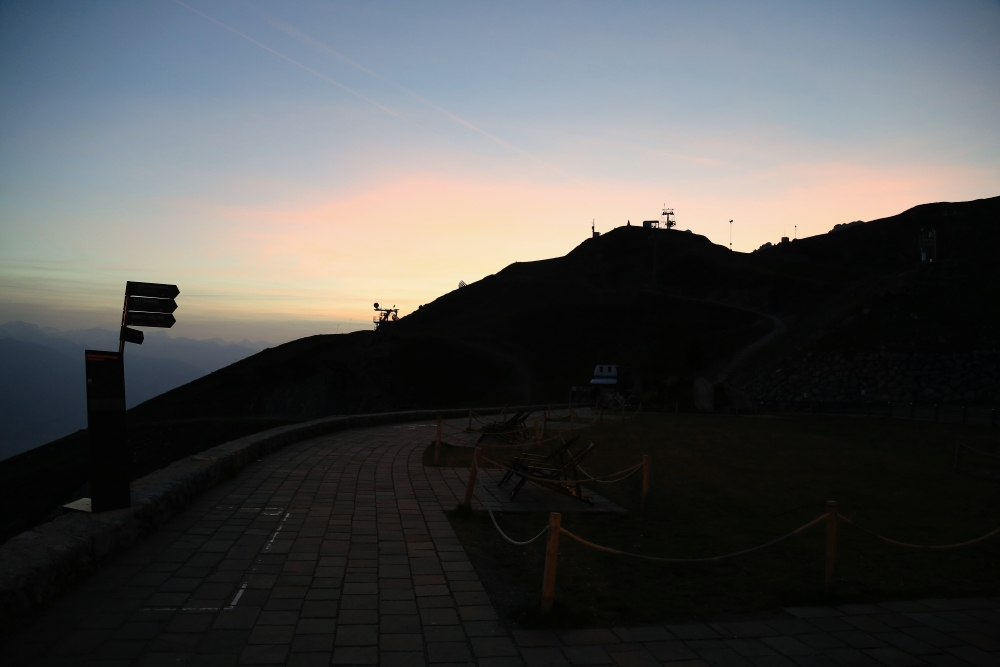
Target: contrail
x,y
315,43
308,69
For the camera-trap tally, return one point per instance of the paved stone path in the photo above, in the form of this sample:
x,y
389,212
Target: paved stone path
x,y
336,551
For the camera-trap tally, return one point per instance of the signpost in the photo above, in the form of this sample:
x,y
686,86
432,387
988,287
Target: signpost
x,y
146,305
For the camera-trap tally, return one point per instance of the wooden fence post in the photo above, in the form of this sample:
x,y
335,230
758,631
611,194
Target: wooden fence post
x,y
551,560
831,546
645,480
470,420
538,433
545,422
472,479
437,445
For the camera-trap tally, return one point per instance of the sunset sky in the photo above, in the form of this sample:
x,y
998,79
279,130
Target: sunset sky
x,y
287,164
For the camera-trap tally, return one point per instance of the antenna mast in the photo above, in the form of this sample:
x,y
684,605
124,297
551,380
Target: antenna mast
x,y
667,213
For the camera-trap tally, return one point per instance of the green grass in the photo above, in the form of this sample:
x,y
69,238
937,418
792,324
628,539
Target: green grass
x,y
721,484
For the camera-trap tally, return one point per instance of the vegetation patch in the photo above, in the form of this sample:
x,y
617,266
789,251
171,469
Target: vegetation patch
x,y
723,484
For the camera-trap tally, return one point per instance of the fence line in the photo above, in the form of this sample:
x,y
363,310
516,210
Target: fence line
x,y
889,540
661,559
609,481
500,530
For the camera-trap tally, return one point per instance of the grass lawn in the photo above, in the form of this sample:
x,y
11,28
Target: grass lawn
x,y
721,484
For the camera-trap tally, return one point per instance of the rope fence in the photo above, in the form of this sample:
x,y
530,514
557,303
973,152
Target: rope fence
x,y
907,545
832,517
709,559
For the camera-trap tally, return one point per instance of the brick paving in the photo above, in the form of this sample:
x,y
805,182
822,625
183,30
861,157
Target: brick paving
x,y
336,551
940,633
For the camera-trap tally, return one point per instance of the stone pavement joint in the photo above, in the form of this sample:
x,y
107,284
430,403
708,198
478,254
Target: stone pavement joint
x,y
336,551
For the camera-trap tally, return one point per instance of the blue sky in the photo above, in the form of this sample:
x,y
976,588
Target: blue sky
x,y
287,164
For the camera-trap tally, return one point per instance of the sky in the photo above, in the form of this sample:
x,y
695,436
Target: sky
x,y
288,164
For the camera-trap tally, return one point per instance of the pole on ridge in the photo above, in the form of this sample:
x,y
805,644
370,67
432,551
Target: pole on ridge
x,y
551,560
437,444
538,433
467,503
545,422
470,420
831,546
645,480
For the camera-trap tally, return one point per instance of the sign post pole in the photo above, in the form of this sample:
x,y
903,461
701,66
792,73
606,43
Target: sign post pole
x,y
146,305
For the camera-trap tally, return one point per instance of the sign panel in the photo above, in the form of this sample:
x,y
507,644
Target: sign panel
x,y
157,290
109,453
163,320
150,305
131,336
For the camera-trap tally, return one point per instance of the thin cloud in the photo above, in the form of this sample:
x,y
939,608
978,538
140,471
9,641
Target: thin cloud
x,y
304,68
316,44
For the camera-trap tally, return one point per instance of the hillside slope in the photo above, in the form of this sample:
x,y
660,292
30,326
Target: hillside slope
x,y
668,304
849,315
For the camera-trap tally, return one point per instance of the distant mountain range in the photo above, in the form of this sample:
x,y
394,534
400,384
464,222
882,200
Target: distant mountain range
x,y
42,391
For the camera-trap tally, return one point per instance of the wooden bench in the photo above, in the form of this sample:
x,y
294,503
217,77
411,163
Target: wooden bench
x,y
558,471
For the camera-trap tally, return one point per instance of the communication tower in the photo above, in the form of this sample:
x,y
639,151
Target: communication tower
x,y
666,218
385,316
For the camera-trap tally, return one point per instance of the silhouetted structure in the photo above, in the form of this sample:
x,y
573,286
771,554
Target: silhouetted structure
x,y
666,220
385,316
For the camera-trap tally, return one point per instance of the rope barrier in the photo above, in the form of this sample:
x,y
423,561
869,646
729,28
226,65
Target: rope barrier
x,y
500,530
921,546
660,559
610,481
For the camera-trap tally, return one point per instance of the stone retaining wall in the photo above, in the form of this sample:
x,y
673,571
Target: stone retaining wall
x,y
40,564
921,377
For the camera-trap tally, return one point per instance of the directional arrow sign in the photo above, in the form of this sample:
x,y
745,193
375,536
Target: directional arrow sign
x,y
157,290
131,336
162,320
150,305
